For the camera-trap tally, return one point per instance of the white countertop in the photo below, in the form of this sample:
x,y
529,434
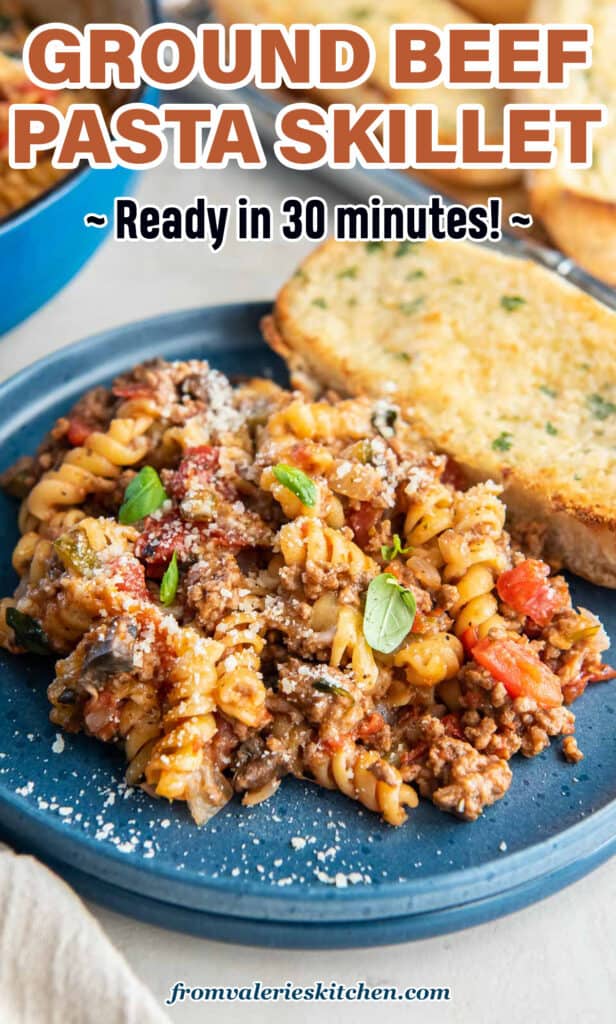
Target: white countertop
x,y
554,961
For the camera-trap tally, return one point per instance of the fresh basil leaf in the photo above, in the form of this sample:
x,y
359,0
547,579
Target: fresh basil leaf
x,y
389,552
389,613
28,633
297,482
144,494
323,686
169,582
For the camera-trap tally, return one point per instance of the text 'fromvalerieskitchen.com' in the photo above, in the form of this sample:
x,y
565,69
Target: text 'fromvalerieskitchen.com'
x,y
317,992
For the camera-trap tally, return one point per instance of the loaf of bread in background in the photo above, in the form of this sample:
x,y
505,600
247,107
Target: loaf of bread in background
x,y
514,199
497,10
376,17
578,207
499,362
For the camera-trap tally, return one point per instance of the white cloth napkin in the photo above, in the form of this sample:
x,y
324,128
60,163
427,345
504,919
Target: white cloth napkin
x,y
57,966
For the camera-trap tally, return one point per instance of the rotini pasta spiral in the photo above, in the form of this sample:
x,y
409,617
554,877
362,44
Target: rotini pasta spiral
x,y
25,520
349,645
241,691
364,776
429,660
474,553
188,722
141,732
479,508
61,522
320,421
138,408
430,513
477,606
31,556
91,467
306,542
106,535
33,552
327,506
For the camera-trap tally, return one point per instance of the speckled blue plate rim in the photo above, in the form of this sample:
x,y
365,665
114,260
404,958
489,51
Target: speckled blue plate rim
x,y
323,935
72,370
239,897
575,846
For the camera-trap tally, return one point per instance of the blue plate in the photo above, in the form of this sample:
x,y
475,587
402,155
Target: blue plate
x,y
308,867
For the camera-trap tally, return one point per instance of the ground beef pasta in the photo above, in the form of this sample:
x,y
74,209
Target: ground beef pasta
x,y
239,584
18,187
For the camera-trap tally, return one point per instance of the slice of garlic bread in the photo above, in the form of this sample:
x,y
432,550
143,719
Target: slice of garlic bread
x,y
578,206
500,363
377,17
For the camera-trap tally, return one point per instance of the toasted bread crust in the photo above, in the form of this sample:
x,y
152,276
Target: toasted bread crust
x,y
578,205
582,225
474,374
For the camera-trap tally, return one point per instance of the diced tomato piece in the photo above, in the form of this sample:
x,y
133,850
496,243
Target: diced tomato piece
x,y
516,665
303,456
131,576
78,431
200,463
157,542
370,726
527,589
362,520
469,639
161,537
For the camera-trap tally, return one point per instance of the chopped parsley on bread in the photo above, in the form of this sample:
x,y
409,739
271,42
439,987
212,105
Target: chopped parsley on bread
x,y
500,363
